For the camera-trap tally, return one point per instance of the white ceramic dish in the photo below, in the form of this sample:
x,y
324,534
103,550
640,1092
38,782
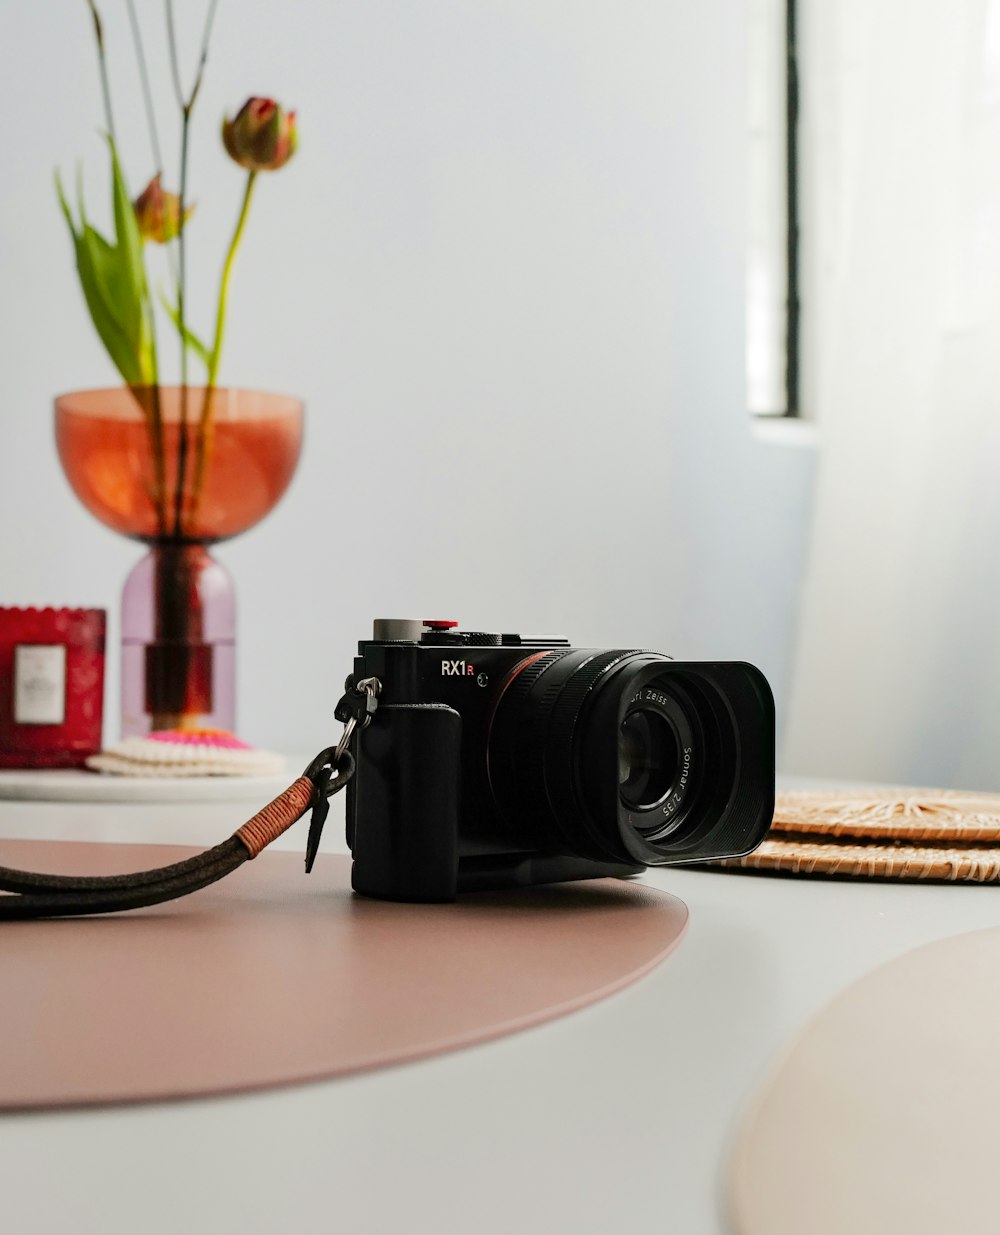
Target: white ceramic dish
x,y
73,785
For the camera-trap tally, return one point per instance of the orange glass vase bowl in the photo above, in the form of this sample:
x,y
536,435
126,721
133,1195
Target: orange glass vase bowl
x,y
178,469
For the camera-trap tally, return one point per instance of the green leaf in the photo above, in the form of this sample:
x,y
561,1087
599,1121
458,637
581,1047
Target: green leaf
x,y
128,241
113,279
131,269
188,335
64,205
107,270
92,252
94,255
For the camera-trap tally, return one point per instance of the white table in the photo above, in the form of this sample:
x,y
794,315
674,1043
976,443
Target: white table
x,y
614,1119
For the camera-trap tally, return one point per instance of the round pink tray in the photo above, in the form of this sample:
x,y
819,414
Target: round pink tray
x,y
271,977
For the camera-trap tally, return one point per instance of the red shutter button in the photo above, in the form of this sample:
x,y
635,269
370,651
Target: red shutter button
x,y
439,624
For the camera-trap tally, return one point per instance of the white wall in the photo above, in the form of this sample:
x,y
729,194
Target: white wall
x,y
505,272
898,663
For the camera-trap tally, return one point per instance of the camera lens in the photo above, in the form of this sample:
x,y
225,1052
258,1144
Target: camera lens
x,y
626,756
648,758
558,718
662,741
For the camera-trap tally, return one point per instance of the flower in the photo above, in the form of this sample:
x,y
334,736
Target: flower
x,y
262,135
159,212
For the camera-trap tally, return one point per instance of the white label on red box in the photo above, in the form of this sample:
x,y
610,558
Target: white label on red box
x,y
39,684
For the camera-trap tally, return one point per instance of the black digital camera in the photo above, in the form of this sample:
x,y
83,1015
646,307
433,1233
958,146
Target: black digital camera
x,y
494,761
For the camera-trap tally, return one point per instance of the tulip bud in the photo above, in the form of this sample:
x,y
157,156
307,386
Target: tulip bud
x,y
262,135
159,212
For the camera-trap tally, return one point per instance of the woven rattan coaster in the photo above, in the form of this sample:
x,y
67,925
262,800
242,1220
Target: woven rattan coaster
x,y
882,834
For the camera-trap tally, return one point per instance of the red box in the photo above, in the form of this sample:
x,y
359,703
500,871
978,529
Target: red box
x,y
51,686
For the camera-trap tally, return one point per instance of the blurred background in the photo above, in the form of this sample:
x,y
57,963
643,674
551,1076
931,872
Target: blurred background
x,y
645,323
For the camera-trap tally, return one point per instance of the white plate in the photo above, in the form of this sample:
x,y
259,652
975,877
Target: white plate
x,y
74,785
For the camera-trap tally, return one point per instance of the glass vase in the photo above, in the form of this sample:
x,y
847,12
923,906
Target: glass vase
x,y
178,642
180,470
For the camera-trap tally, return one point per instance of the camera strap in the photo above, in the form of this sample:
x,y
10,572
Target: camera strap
x,y
28,894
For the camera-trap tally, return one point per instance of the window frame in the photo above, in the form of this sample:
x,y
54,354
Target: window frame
x,y
773,342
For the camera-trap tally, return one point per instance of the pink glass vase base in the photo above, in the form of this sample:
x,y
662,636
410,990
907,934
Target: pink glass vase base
x,y
179,649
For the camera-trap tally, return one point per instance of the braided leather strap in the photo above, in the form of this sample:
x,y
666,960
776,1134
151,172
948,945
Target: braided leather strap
x,y
36,895
277,817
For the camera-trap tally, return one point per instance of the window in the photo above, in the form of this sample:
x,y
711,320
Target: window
x,y
772,275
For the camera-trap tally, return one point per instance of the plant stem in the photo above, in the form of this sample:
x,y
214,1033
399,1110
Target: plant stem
x,y
149,401
147,97
220,316
205,426
151,407
181,284
102,61
156,428
159,462
202,56
186,106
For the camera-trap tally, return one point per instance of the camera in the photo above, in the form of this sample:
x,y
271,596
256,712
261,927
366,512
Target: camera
x,y
498,760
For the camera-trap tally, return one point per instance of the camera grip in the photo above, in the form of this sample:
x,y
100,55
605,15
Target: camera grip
x,y
405,806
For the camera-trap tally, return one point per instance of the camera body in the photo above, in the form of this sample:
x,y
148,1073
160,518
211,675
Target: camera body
x,y
498,760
